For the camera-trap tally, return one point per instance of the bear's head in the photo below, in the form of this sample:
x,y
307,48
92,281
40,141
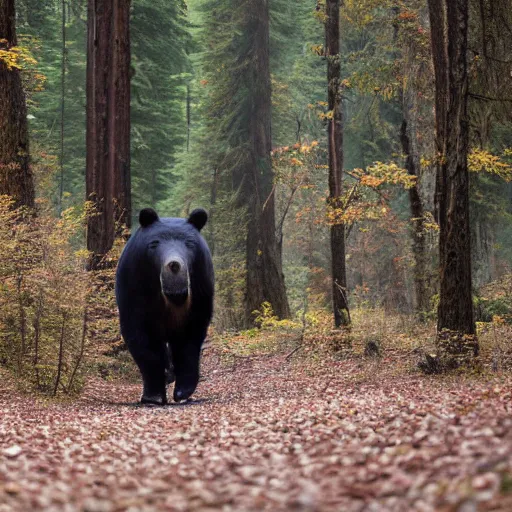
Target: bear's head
x,y
171,248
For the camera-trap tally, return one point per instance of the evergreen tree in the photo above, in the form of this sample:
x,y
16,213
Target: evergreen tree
x,y
49,135
237,62
161,43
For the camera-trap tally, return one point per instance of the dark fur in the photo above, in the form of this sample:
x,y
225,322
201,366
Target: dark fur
x,y
149,320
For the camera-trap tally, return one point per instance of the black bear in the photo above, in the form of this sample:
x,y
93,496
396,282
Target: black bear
x,y
164,291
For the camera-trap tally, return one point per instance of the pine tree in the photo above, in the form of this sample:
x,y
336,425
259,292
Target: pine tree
x,y
161,44
38,20
237,62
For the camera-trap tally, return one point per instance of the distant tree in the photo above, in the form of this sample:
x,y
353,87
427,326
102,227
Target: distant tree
x,y
108,122
335,144
449,31
15,174
489,101
57,134
265,279
237,61
62,104
416,77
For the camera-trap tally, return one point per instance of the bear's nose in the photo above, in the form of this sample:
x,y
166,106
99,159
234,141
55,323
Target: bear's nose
x,y
174,267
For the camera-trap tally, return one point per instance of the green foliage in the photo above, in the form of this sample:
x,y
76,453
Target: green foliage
x,y
193,81
160,43
495,301
40,23
488,309
161,71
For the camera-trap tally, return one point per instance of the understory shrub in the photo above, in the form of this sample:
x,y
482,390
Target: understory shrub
x,y
43,289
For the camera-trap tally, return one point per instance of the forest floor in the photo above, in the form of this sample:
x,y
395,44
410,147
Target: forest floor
x,y
266,432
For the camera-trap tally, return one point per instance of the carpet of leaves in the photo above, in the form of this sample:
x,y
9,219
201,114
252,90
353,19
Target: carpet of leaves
x,y
266,433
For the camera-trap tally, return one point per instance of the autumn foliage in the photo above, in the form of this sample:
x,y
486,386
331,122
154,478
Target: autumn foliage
x,y
42,298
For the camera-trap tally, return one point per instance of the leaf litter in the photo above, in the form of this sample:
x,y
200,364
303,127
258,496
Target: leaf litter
x,y
265,434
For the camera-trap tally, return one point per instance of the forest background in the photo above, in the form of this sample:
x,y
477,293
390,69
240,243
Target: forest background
x,y
196,80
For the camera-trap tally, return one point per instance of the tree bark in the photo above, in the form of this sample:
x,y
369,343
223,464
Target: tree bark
x,y
16,178
108,123
120,112
419,248
335,142
455,311
439,44
265,279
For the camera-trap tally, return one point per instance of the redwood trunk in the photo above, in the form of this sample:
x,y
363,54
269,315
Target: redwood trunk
x,y
335,141
120,112
265,279
16,178
108,122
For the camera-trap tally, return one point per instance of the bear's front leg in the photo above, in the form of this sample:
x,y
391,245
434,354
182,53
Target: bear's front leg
x,y
186,356
170,376
151,359
154,392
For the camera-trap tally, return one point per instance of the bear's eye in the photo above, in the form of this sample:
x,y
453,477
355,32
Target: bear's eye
x,y
153,244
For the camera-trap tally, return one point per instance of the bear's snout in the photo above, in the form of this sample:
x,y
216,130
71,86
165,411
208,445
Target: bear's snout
x,y
175,280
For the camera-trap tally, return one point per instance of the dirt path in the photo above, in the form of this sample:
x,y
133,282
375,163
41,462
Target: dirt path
x,y
265,436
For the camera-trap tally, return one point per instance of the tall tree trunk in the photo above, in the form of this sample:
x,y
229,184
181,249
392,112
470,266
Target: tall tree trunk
x,y
119,116
16,177
335,141
413,75
108,122
439,43
449,48
212,219
265,279
189,114
99,176
419,248
62,104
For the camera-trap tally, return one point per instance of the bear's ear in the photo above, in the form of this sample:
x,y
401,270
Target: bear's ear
x,y
147,217
198,218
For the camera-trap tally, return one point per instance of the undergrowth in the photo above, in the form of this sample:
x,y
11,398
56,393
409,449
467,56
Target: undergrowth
x,y
43,288
375,335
